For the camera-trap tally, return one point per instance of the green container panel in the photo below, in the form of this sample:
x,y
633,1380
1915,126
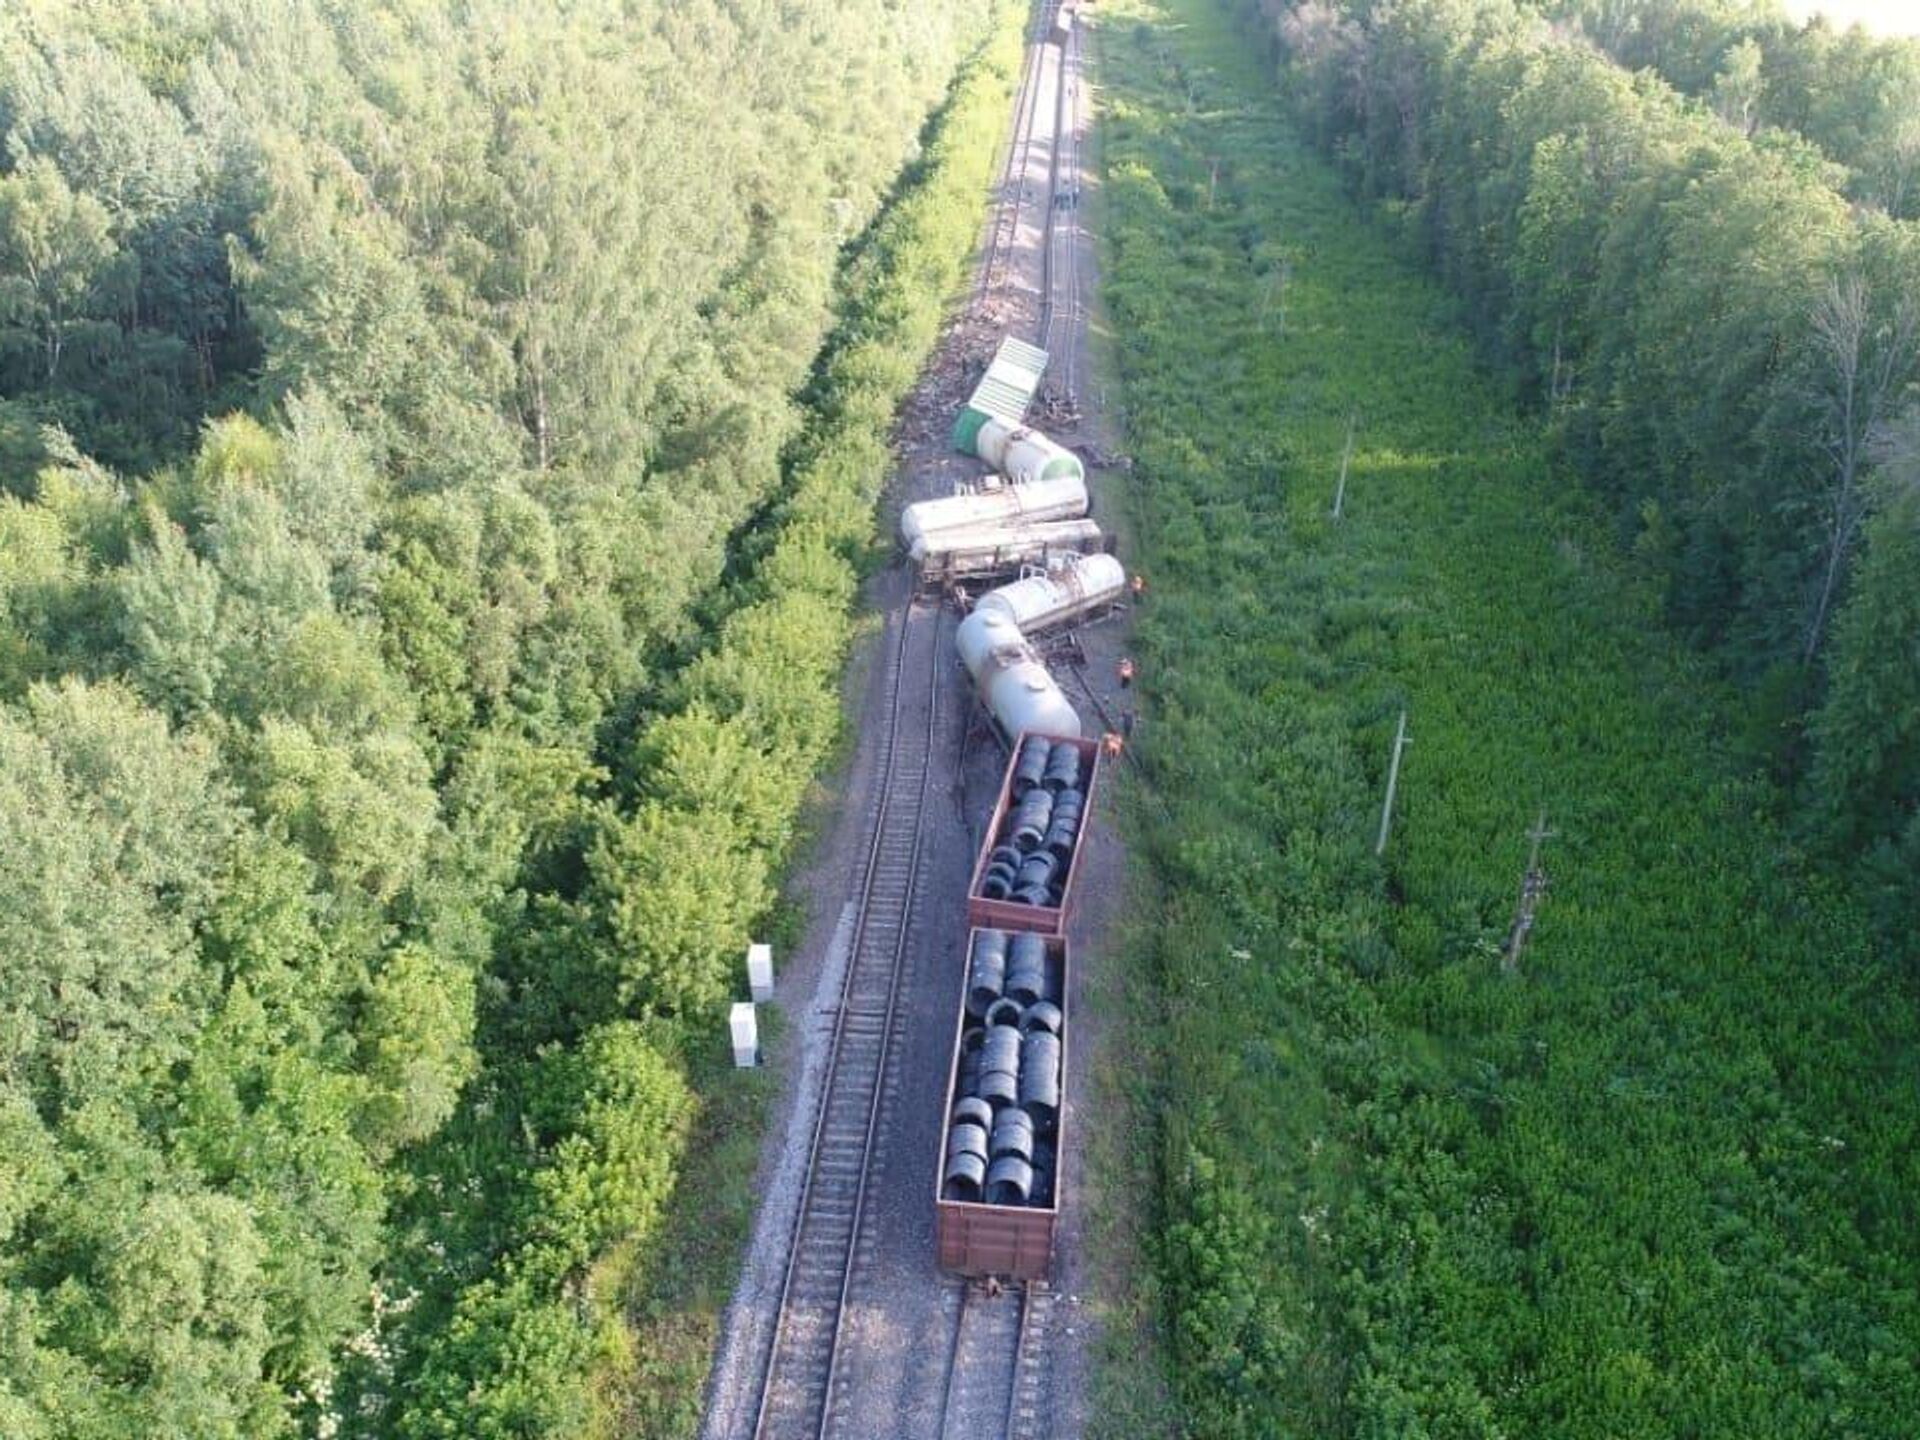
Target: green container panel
x,y
966,430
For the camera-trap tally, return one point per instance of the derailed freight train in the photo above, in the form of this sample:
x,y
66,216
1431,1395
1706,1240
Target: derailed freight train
x,y
994,642
998,1186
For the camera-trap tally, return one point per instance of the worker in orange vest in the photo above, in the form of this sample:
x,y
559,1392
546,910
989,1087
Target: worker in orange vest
x,y
1126,672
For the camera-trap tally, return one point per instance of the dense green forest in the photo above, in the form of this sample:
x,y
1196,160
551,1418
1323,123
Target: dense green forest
x,y
1856,96
1727,348
427,526
1654,1174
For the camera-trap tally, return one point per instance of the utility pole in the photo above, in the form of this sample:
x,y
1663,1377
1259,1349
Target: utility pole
x,y
1400,742
1533,885
1346,458
1277,279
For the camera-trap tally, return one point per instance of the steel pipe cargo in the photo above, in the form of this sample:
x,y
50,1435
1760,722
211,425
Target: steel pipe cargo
x,y
1028,825
1013,1134
1004,1223
973,1111
1038,868
997,1087
1004,1014
1041,1015
963,1177
1027,952
1028,987
1063,770
1039,1088
1009,905
1009,1181
1031,765
987,973
1002,1048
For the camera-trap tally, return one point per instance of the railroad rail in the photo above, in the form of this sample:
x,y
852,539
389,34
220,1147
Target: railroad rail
x,y
1013,176
996,1371
1059,316
796,1391
1000,1344
1068,142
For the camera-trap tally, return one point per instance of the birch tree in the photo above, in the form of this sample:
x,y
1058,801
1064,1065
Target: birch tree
x,y
1864,357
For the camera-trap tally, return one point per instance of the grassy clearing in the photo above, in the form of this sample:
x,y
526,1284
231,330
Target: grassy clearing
x,y
1658,1182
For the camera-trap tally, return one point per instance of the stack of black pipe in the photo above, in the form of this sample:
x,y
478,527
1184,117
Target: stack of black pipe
x,y
1034,850
1006,1110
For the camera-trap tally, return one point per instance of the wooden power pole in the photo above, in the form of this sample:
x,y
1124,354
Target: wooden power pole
x,y
1346,458
1400,742
1533,885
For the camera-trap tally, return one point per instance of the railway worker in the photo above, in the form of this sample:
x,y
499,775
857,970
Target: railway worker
x,y
1111,744
1126,672
1138,585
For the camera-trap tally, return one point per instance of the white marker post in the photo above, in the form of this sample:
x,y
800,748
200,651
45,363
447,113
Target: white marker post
x,y
760,972
746,1035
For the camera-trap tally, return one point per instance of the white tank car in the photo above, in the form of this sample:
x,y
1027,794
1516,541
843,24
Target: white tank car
x,y
1014,684
1024,455
1017,687
1065,593
1007,545
1062,499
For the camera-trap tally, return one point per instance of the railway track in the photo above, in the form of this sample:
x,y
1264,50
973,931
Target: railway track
x,y
999,1381
998,1357
1013,176
1060,238
996,1371
1067,143
796,1391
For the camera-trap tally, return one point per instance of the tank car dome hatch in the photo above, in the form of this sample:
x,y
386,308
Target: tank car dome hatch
x,y
1021,695
979,635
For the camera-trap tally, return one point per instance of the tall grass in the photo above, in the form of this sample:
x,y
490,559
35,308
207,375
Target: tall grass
x,y
1657,1182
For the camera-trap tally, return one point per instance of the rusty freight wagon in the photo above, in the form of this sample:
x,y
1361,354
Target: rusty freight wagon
x,y
1023,878
997,1187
